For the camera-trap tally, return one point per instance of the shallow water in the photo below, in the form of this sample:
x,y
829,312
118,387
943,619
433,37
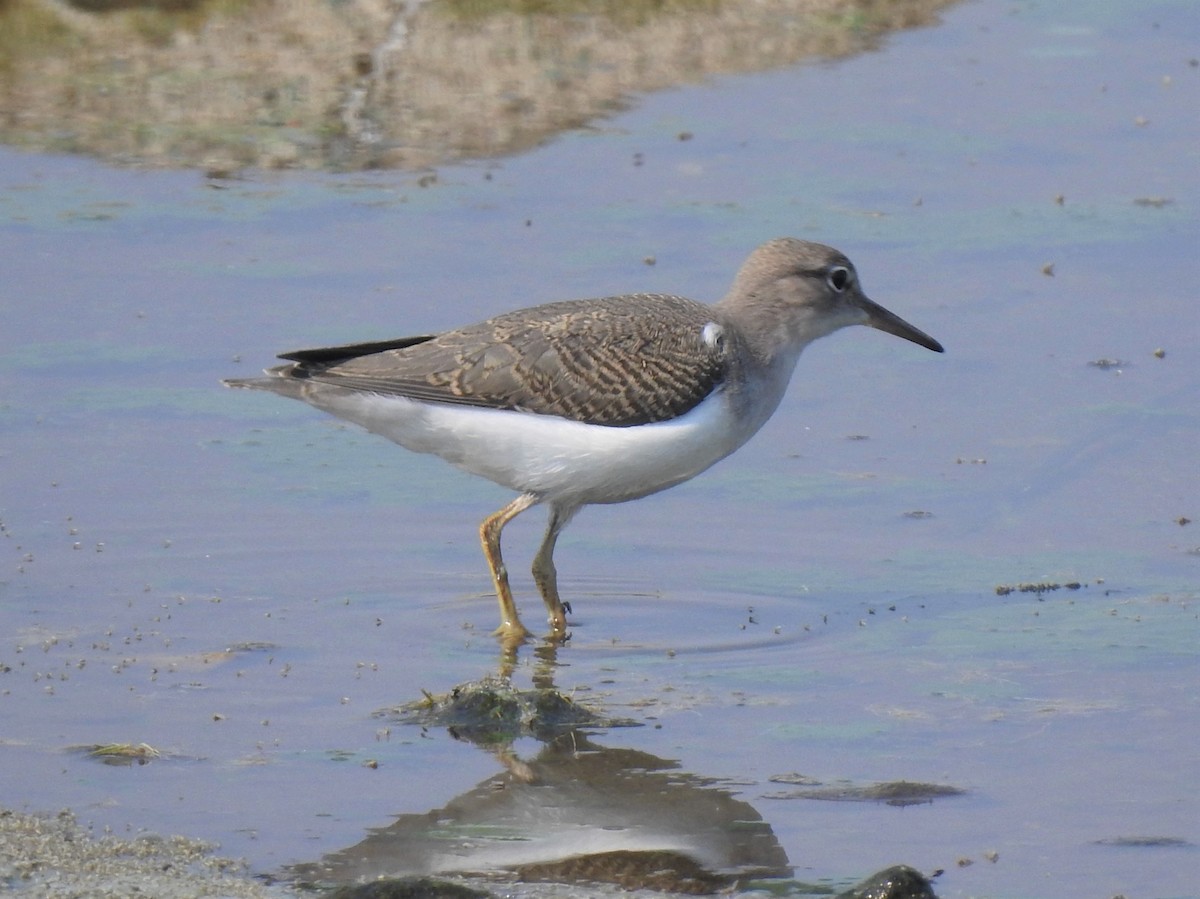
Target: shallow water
x,y
241,582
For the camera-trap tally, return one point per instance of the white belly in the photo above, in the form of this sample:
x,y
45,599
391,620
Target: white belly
x,y
551,457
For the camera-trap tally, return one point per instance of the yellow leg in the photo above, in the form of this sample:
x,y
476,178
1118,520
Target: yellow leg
x,y
489,535
544,573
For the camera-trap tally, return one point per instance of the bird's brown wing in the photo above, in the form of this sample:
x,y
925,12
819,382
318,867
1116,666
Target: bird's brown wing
x,y
618,361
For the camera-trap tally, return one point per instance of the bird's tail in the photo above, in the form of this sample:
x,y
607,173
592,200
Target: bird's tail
x,y
276,381
248,383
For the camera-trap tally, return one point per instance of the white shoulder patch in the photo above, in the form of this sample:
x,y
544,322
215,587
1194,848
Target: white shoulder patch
x,y
713,335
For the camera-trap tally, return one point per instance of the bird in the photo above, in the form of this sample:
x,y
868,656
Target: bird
x,y
592,401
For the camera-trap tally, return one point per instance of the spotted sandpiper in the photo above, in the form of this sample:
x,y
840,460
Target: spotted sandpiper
x,y
592,401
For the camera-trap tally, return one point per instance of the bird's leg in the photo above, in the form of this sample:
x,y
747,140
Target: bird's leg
x,y
544,573
489,535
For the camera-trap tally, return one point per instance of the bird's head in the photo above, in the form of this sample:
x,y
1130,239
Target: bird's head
x,y
791,292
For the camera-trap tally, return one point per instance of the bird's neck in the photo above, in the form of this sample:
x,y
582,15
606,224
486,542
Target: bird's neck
x,y
772,339
761,384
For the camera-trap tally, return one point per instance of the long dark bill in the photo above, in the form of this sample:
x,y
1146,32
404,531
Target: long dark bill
x,y
878,317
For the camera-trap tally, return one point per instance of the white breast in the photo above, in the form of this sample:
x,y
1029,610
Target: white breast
x,y
552,457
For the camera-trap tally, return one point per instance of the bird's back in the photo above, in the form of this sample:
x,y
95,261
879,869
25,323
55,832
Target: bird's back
x,y
615,361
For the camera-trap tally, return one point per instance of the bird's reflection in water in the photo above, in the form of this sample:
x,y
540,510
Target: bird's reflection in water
x,y
577,811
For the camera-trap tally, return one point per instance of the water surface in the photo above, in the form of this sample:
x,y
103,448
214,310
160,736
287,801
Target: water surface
x,y
241,582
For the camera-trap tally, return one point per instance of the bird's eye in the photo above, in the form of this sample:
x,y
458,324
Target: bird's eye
x,y
838,278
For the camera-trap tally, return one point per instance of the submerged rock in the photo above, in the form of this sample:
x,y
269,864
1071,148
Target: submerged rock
x,y
896,882
408,888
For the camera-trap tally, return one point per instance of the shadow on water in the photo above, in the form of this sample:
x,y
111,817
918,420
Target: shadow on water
x,y
578,812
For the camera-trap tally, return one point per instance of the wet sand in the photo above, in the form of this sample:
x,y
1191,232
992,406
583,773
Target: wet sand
x,y
53,855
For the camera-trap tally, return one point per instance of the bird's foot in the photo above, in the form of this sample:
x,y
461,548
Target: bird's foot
x,y
512,634
558,621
